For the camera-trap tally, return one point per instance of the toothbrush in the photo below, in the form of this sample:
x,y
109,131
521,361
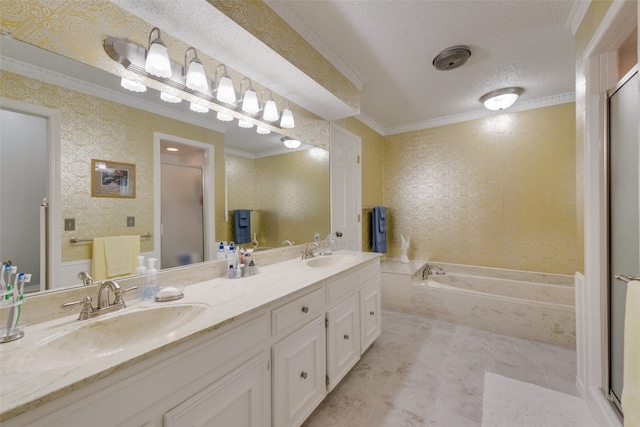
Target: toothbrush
x,y
25,278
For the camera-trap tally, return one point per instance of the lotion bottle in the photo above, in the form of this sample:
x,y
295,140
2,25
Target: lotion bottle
x,y
151,286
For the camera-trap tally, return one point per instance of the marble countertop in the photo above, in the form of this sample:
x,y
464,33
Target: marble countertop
x,y
33,372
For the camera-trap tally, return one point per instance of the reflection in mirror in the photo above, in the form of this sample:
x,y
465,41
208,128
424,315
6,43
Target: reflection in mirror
x,y
287,192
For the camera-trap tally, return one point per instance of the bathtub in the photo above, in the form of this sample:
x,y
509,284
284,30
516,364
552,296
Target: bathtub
x,y
537,306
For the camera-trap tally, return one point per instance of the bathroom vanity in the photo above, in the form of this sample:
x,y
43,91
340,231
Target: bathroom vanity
x,y
256,351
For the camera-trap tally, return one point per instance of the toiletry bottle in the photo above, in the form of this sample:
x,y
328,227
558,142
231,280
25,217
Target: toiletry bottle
x,y
141,269
231,274
151,286
251,269
231,251
221,252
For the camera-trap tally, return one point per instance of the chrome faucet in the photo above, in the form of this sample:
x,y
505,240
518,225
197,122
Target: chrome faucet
x,y
104,304
86,279
429,270
308,250
103,293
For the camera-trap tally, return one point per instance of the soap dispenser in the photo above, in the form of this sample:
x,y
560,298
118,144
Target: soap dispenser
x,y
151,286
141,269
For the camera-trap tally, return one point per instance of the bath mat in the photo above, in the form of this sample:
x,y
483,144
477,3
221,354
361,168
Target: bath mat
x,y
509,403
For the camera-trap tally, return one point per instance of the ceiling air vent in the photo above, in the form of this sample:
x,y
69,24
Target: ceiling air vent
x,y
451,58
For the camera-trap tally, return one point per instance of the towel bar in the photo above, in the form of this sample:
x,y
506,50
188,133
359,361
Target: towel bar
x,y
74,240
626,279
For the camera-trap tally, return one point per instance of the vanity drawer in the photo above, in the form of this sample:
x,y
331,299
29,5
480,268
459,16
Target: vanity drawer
x,y
298,311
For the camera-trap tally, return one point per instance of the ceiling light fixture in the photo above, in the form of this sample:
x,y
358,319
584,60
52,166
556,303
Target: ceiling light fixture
x,y
195,77
224,117
290,142
451,58
172,149
502,98
250,99
198,108
157,60
132,86
270,110
245,124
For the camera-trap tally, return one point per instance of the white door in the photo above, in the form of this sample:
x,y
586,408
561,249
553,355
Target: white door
x,y
345,188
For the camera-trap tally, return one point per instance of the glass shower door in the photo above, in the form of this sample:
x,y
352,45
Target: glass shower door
x,y
623,215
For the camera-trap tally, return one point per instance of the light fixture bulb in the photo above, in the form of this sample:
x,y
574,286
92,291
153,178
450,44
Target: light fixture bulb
x,y
245,124
250,101
286,121
224,117
198,108
291,143
157,62
270,113
167,97
132,86
502,98
263,130
196,77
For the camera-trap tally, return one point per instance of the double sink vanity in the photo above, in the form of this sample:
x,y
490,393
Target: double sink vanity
x,y
256,351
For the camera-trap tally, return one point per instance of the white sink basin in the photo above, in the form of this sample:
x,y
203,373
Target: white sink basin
x,y
328,261
118,331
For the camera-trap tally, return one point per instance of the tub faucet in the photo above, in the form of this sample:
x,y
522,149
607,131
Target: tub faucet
x,y
287,242
429,270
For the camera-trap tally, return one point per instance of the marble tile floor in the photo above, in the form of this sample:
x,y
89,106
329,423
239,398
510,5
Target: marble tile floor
x,y
427,372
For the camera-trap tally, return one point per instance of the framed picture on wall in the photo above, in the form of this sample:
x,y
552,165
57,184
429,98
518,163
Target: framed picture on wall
x,y
113,179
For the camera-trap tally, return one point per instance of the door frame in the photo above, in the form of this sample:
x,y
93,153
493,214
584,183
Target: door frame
x,y
601,73
54,219
208,194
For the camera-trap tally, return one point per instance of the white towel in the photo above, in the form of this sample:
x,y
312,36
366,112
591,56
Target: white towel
x,y
631,387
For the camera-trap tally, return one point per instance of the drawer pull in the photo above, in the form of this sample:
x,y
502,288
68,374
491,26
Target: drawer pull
x,y
305,309
303,375
346,336
372,313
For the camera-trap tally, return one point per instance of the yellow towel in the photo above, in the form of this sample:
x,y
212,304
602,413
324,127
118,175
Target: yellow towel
x,y
631,388
115,256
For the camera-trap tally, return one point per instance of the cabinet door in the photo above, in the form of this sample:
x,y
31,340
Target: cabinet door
x,y
239,399
343,339
370,315
299,374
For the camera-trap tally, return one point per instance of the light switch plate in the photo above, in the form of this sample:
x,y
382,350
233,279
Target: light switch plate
x,y
131,221
69,224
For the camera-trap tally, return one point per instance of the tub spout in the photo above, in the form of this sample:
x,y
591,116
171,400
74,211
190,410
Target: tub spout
x,y
430,269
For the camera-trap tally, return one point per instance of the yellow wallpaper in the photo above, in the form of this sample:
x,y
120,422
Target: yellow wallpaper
x,y
93,128
497,192
289,196
258,19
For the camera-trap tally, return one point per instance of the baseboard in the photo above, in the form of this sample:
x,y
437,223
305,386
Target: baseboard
x,y
601,409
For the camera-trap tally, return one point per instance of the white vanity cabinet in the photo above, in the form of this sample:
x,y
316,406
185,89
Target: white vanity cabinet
x,y
370,314
343,339
299,372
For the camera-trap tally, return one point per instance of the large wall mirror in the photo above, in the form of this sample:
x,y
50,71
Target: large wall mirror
x,y
218,169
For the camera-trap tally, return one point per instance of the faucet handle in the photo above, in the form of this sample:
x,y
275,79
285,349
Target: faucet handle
x,y
118,292
87,308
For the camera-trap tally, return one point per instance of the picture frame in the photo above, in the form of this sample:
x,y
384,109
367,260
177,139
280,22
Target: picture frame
x,y
113,179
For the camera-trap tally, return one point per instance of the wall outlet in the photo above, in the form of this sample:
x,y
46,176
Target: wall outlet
x,y
131,221
69,224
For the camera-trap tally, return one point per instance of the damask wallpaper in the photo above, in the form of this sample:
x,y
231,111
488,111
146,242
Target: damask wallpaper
x,y
497,192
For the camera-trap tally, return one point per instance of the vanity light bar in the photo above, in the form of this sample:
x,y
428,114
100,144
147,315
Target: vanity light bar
x,y
132,57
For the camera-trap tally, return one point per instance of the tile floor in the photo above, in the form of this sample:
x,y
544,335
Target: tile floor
x,y
426,372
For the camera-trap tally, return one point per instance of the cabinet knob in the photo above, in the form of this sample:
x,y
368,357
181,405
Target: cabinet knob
x,y
305,309
372,313
303,375
346,336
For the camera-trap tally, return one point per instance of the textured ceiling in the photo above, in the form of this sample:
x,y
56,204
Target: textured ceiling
x,y
391,45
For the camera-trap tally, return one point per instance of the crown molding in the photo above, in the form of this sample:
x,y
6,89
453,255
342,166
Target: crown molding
x,y
577,14
368,121
457,118
51,77
296,22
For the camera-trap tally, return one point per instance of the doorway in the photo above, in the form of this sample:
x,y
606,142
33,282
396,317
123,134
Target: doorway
x,y
30,192
184,206
623,216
